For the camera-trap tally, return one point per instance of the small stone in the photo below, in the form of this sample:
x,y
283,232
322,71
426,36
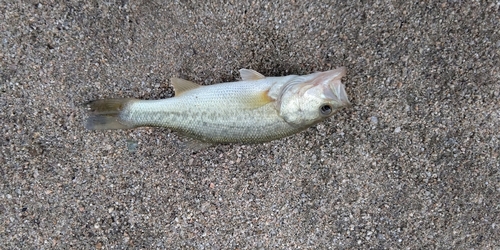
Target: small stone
x,y
132,145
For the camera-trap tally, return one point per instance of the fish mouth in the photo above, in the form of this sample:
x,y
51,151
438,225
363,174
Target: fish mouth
x,y
340,95
334,89
325,85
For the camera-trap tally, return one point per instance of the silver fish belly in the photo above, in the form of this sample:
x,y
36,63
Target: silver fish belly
x,y
256,109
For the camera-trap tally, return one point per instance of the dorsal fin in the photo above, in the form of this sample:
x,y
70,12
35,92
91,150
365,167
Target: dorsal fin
x,y
250,75
181,85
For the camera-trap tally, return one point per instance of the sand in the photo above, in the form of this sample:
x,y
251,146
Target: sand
x,y
413,164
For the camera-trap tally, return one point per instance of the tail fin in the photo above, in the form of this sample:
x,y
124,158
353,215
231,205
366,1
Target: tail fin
x,y
105,114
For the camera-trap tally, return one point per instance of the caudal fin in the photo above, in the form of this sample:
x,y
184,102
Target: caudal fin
x,y
105,114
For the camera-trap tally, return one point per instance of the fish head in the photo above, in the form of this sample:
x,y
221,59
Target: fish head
x,y
309,99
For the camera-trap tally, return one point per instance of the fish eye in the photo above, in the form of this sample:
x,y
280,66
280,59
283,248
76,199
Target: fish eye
x,y
326,109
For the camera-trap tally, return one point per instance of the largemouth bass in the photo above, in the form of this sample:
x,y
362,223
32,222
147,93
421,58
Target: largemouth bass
x,y
255,109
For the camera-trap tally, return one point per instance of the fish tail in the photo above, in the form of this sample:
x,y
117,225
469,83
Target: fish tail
x,y
108,114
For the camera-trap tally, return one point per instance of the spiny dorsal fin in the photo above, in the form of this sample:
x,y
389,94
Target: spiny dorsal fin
x,y
181,85
250,75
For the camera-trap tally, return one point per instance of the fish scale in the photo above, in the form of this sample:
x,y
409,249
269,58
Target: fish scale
x,y
223,125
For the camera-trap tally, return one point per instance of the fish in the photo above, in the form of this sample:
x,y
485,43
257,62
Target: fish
x,y
255,109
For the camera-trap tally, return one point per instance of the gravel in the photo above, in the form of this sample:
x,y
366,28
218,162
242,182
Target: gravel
x,y
412,164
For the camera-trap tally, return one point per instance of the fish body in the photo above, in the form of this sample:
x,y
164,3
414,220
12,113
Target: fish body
x,y
256,109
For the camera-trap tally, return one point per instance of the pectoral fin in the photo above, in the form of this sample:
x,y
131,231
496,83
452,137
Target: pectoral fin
x,y
257,100
181,85
250,75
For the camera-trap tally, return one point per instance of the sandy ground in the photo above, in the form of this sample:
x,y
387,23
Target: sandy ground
x,y
413,164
